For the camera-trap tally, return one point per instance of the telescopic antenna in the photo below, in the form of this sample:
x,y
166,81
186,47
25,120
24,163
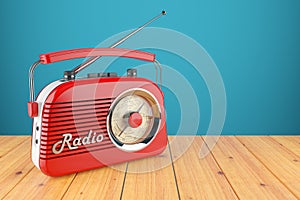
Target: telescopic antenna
x,y
71,74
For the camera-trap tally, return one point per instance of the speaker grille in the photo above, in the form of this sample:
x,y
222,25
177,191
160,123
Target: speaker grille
x,y
77,118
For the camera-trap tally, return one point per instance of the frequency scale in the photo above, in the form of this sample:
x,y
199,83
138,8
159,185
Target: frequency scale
x,y
134,119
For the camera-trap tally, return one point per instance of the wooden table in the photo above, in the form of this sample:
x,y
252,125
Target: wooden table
x,y
243,167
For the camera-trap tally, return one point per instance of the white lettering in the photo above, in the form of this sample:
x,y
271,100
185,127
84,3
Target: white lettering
x,y
67,138
93,139
99,138
77,141
86,139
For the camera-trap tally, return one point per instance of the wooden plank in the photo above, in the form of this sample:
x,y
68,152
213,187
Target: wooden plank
x,y
24,180
290,142
15,164
104,183
8,143
266,171
150,178
198,178
283,163
246,174
36,185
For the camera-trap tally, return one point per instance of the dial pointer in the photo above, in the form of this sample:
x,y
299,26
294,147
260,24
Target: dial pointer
x,y
122,130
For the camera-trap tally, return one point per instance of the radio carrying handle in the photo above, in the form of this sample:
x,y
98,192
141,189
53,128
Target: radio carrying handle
x,y
95,52
49,58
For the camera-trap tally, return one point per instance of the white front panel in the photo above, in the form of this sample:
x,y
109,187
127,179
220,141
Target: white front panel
x,y
37,122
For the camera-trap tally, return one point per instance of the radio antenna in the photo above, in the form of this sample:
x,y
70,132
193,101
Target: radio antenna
x,y
71,74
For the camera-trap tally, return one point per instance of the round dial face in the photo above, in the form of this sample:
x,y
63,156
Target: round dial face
x,y
134,118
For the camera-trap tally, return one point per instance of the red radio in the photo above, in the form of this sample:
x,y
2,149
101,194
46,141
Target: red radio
x,y
100,120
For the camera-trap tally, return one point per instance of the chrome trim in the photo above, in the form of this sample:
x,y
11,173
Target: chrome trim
x,y
157,64
31,80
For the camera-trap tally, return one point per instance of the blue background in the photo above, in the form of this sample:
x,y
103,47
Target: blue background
x,y
255,44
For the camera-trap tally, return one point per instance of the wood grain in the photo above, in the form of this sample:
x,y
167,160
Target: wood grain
x,y
281,162
198,178
248,167
150,178
8,143
36,185
26,181
290,142
247,175
15,164
104,183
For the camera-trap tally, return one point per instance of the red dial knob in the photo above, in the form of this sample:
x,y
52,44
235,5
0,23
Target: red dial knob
x,y
135,120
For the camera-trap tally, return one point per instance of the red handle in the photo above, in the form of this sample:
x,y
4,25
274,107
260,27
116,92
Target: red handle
x,y
94,52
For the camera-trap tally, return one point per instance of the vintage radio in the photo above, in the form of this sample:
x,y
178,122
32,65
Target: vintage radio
x,y
99,120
